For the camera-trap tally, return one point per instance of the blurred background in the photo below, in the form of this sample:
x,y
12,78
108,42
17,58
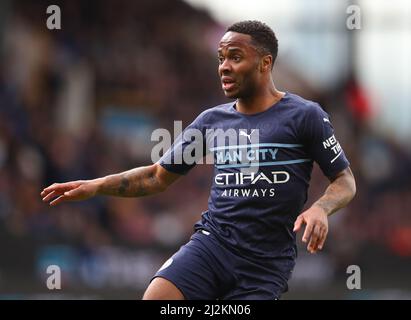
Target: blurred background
x,y
81,102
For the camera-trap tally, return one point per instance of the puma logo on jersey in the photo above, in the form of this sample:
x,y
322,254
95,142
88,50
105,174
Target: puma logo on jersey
x,y
243,133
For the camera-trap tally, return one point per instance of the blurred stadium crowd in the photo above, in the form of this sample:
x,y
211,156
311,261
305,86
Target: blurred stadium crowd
x,y
81,102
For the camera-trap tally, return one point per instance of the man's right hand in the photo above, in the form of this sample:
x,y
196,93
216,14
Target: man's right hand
x,y
70,191
136,182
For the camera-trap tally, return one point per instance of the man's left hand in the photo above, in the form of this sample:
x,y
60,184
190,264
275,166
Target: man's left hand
x,y
316,230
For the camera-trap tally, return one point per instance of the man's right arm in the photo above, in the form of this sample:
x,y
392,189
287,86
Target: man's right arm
x,y
136,182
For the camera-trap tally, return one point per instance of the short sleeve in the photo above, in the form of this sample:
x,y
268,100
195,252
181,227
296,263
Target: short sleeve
x,y
322,144
187,150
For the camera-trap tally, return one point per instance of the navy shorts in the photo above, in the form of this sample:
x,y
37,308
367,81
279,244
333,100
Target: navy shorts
x,y
203,269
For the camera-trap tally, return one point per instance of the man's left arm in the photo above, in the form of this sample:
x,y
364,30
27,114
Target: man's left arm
x,y
338,194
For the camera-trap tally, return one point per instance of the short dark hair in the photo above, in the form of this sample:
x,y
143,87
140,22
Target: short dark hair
x,y
261,34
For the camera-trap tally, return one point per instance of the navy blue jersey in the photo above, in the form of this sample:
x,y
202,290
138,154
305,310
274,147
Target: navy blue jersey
x,y
254,212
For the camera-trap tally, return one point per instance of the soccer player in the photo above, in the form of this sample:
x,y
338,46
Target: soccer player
x,y
244,246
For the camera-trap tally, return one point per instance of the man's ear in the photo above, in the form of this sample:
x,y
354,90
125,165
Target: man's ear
x,y
266,63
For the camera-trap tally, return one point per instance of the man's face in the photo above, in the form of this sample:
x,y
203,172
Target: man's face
x,y
238,65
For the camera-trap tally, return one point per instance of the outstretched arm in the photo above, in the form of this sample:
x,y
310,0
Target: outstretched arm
x,y
136,182
338,194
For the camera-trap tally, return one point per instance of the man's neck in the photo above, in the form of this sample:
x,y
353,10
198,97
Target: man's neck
x,y
259,102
